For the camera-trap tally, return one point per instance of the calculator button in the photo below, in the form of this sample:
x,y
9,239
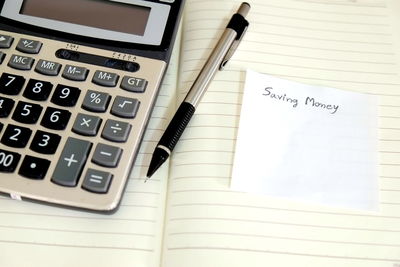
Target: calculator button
x,y
6,41
125,107
56,119
70,164
37,90
11,84
75,73
96,101
16,136
8,160
6,105
45,143
133,84
34,168
107,156
97,181
66,96
48,68
21,62
86,124
29,46
116,131
27,112
105,78
2,56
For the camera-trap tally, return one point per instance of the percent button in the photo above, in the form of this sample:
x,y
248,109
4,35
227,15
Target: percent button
x,y
96,101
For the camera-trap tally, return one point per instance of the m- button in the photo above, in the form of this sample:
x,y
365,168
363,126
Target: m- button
x,y
105,78
75,73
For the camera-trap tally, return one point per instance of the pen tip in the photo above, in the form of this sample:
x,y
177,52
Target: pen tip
x,y
159,157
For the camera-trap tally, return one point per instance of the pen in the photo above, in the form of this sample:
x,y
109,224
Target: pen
x,y
221,54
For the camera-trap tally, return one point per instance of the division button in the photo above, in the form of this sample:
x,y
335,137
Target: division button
x,y
71,162
107,156
97,181
105,78
29,46
75,73
49,68
6,41
116,131
21,62
34,168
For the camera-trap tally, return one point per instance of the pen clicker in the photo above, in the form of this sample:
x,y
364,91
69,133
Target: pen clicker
x,y
217,60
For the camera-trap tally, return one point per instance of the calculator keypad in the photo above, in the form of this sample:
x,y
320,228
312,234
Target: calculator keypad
x,y
71,129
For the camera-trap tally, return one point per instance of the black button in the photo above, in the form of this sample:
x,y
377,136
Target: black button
x,y
6,105
8,160
11,84
56,119
45,143
37,90
27,112
65,95
33,167
16,136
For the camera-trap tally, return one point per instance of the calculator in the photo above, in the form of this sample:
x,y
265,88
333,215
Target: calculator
x,y
78,82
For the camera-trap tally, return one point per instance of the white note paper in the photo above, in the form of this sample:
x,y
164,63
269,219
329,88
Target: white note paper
x,y
307,143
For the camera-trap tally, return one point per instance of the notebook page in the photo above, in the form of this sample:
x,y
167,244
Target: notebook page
x,y
343,44
37,235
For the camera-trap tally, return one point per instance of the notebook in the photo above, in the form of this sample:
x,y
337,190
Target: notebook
x,y
186,215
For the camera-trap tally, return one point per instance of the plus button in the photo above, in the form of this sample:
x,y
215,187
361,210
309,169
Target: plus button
x,y
70,160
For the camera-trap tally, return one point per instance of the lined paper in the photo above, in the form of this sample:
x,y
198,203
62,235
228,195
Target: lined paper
x,y
343,44
38,235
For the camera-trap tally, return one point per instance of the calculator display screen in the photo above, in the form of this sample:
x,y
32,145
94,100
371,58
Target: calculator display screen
x,y
133,21
115,16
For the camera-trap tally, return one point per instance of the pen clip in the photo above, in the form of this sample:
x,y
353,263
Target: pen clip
x,y
232,50
239,24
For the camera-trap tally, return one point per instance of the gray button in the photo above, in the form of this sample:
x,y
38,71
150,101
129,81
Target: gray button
x,y
125,107
75,73
49,68
97,181
86,124
21,62
107,156
96,101
6,41
70,164
29,46
105,78
133,84
116,131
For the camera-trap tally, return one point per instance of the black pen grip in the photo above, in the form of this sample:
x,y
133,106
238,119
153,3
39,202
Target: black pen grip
x,y
177,125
